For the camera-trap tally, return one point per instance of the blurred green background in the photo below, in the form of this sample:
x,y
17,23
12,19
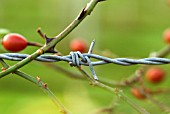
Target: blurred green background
x,y
128,28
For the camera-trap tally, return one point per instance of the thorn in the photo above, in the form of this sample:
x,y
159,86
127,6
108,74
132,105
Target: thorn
x,y
90,83
71,64
13,72
45,85
52,49
81,15
101,0
48,40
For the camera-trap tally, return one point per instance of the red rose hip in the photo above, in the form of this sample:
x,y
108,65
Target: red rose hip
x,y
14,42
78,45
138,94
166,36
155,75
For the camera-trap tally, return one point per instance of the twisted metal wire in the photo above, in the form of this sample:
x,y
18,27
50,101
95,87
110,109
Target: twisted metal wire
x,y
78,59
75,57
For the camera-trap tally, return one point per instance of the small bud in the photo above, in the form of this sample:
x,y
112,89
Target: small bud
x,y
40,51
116,90
63,111
38,78
3,69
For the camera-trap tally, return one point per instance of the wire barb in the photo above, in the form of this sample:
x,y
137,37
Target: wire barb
x,y
76,62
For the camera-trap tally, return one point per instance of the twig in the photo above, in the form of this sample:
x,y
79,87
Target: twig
x,y
148,94
116,91
86,11
34,44
80,77
162,106
109,109
40,84
122,96
40,33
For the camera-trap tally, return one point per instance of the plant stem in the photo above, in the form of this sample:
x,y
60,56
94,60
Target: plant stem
x,y
162,106
164,52
116,91
45,89
34,44
40,84
122,96
86,11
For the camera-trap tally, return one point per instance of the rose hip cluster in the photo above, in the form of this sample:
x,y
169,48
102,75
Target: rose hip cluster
x,y
154,75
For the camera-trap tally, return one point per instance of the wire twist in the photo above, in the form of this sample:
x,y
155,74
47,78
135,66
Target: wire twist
x,y
78,59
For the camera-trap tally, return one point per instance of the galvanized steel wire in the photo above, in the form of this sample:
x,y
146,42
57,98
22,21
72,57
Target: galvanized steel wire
x,y
78,59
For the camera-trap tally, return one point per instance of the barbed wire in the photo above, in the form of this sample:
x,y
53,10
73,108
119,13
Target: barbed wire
x,y
78,59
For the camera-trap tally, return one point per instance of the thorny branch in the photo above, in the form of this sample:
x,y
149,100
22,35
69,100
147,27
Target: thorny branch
x,y
73,58
9,69
87,10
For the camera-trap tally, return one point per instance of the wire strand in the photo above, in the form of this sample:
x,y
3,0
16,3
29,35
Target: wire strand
x,y
77,59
